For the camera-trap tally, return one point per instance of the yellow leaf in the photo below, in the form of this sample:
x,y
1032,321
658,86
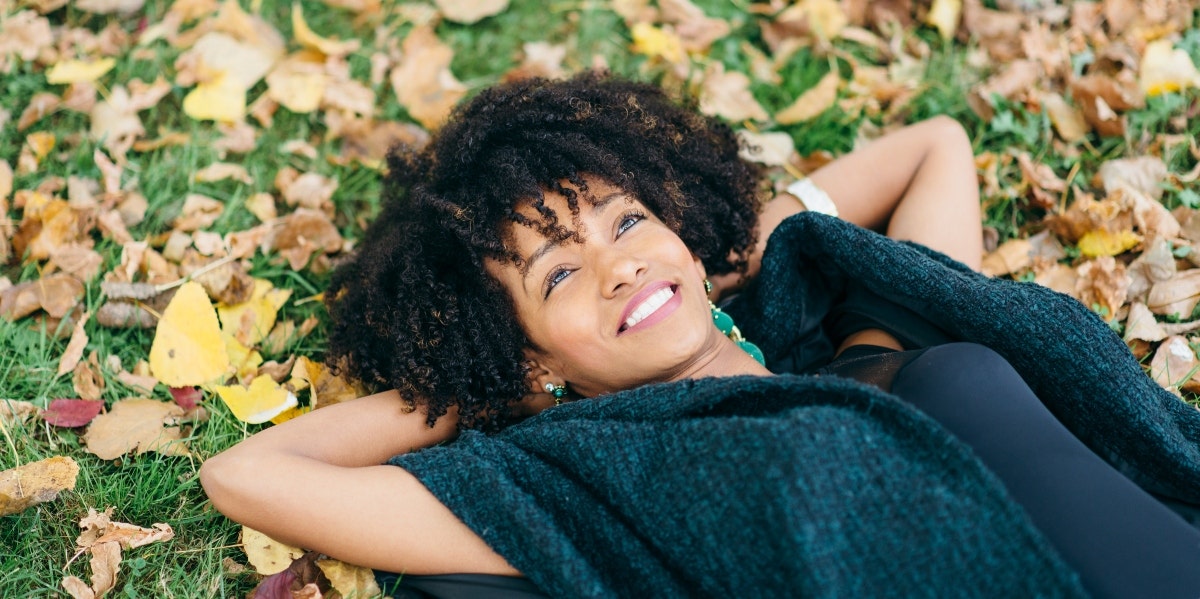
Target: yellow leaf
x,y
1100,242
812,102
220,99
188,349
349,580
36,482
262,401
290,414
298,84
470,11
250,321
1165,69
78,71
267,555
309,39
41,143
244,360
944,14
657,43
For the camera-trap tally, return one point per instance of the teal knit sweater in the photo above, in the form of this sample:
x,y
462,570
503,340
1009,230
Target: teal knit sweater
x,y
804,485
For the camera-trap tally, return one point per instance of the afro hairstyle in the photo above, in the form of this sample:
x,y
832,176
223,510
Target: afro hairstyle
x,y
415,310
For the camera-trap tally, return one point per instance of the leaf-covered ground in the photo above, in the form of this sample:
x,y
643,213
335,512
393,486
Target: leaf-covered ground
x,y
176,180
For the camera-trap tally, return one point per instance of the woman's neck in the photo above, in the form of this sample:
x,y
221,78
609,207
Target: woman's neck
x,y
725,359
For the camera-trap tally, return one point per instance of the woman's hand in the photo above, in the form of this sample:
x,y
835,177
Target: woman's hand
x,y
917,184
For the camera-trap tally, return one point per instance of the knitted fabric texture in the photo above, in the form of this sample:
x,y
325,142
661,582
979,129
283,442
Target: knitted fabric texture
x,y
803,485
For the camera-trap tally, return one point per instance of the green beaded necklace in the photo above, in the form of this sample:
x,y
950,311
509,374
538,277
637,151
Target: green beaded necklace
x,y
725,324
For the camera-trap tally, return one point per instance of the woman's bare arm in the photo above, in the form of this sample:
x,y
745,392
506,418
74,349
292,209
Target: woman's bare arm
x,y
316,482
916,184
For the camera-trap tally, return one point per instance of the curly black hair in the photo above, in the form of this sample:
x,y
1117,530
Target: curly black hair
x,y
414,309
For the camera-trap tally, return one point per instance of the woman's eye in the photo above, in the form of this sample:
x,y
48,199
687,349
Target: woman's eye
x,y
628,221
554,278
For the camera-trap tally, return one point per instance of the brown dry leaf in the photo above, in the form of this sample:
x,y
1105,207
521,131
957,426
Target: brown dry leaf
x,y
1145,174
470,11
303,233
423,82
136,424
1100,97
105,7
1177,295
1059,277
774,148
75,346
77,260
87,379
325,387
368,141
262,206
1141,325
1012,256
298,82
307,190
697,31
998,32
199,212
309,38
1154,265
98,527
36,482
1173,363
267,555
57,294
219,171
23,36
1014,79
541,59
812,102
1102,283
40,105
727,95
13,411
1067,120
238,138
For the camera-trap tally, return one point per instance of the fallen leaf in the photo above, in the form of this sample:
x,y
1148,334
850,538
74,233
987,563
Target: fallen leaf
x,y
199,211
306,37
250,321
774,148
218,99
1012,256
348,579
75,346
944,15
1066,119
186,397
219,171
1145,174
139,425
657,43
1177,295
1102,242
422,81
1141,324
541,59
260,402
87,380
75,71
298,84
1102,282
1173,363
71,413
98,527
105,7
812,102
187,348
728,96
470,11
13,411
267,555
696,30
1166,69
57,294
36,482
262,206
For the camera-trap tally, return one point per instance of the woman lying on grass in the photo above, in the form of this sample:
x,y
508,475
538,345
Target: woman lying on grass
x,y
536,288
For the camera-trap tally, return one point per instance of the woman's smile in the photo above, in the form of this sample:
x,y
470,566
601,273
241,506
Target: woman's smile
x,y
650,306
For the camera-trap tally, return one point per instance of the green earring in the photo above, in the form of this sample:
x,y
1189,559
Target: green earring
x,y
558,391
725,324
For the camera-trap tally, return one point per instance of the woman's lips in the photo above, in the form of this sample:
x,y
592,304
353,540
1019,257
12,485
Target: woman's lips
x,y
650,306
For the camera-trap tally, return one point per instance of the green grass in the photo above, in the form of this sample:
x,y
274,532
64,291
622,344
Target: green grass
x,y
37,543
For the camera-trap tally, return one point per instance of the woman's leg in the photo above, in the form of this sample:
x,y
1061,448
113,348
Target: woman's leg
x,y
1122,542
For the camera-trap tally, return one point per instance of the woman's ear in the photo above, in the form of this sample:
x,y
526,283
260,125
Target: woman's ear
x,y
538,375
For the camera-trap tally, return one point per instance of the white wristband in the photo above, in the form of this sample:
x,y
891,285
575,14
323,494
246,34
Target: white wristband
x,y
814,198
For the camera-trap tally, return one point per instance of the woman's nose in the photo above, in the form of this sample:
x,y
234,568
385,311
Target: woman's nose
x,y
619,269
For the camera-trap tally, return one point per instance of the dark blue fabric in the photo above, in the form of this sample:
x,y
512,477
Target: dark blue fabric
x,y
812,486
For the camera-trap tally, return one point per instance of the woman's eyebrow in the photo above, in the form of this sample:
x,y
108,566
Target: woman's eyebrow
x,y
545,248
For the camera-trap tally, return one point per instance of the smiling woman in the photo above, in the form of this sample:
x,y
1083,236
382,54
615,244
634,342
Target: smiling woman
x,y
536,290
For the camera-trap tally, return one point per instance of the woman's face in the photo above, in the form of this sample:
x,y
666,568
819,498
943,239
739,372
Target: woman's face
x,y
624,307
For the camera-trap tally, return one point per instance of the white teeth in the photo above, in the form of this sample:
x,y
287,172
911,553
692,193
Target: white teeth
x,y
648,307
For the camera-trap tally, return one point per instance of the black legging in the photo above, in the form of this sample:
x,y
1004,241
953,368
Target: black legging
x,y
1121,541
